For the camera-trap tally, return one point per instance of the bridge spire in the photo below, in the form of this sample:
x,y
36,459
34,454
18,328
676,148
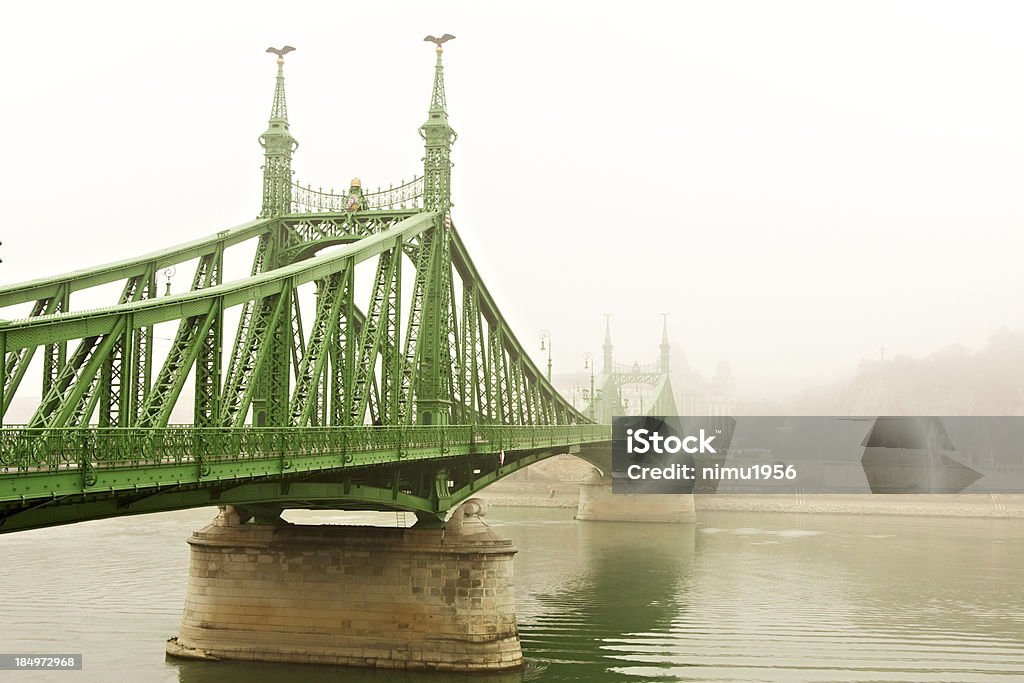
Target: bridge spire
x,y
433,402
278,146
665,348
607,348
438,137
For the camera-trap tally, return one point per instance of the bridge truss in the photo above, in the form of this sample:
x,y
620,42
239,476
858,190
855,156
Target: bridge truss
x,y
607,401
410,396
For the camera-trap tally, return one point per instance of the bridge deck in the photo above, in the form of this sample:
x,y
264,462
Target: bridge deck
x,y
37,465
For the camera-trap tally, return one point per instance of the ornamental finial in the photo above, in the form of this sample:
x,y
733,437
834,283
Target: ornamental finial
x,y
279,110
280,52
439,41
437,99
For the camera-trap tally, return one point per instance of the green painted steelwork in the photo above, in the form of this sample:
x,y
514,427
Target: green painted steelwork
x,y
48,471
138,268
400,401
604,400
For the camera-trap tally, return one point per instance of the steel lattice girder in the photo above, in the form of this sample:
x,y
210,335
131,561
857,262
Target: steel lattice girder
x,y
342,492
79,325
75,465
45,288
521,390
455,366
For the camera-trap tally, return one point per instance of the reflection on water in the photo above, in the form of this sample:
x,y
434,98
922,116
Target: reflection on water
x,y
583,588
776,597
219,672
743,596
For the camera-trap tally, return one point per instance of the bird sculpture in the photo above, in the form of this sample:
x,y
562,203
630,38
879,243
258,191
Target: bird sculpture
x,y
281,52
439,41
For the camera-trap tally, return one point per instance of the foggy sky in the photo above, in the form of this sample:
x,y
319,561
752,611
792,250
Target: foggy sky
x,y
797,183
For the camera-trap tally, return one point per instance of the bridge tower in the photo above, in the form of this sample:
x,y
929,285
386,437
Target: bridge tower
x,y
278,147
607,346
433,403
270,399
665,348
438,137
608,403
597,502
380,613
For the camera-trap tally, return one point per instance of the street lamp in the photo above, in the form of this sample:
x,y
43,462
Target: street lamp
x,y
169,272
588,357
545,336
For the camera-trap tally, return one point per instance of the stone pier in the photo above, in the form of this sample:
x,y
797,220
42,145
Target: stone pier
x,y
364,596
599,504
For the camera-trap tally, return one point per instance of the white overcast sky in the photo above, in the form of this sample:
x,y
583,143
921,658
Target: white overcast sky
x,y
797,183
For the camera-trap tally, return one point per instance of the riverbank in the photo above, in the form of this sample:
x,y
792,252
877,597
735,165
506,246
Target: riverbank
x,y
989,506
555,483
528,500
996,506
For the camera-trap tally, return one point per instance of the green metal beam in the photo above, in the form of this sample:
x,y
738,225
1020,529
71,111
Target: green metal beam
x,y
41,466
459,364
46,288
77,325
489,310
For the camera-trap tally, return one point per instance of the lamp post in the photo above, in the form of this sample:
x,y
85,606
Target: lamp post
x,y
169,272
588,357
545,336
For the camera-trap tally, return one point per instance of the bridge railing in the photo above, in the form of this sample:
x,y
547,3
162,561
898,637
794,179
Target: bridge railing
x,y
28,449
646,368
407,195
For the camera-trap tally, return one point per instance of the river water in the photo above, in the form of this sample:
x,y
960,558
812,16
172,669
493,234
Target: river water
x,y
738,597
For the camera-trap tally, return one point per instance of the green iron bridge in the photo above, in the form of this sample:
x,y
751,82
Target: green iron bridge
x,y
411,398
